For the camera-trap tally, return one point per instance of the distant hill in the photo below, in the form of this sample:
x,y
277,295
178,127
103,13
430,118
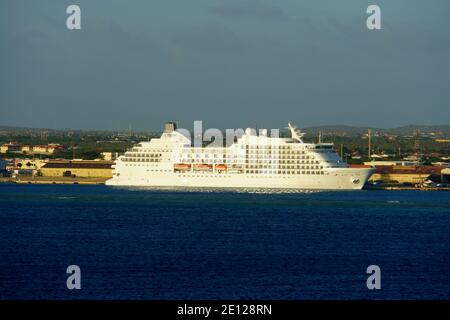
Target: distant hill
x,y
337,128
28,130
17,129
413,128
404,130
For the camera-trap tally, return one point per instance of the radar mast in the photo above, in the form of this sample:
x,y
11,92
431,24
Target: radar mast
x,y
296,134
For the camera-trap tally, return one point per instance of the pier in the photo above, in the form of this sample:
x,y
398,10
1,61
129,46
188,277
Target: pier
x,y
53,180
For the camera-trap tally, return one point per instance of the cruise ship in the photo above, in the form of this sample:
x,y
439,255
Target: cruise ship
x,y
251,161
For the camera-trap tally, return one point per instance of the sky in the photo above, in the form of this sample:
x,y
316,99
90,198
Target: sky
x,y
230,63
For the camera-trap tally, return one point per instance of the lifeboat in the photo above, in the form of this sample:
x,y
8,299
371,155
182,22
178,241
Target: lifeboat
x,y
182,166
221,167
203,166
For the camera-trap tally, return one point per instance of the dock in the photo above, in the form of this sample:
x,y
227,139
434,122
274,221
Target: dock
x,y
410,188
54,180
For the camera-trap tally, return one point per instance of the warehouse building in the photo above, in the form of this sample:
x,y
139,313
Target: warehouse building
x,y
405,174
445,175
77,168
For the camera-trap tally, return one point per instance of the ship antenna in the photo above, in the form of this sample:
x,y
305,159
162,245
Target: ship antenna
x,y
296,134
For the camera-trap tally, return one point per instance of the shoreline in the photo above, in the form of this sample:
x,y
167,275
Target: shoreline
x,y
101,181
403,188
53,180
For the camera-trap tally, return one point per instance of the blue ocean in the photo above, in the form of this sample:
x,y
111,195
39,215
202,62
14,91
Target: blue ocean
x,y
218,244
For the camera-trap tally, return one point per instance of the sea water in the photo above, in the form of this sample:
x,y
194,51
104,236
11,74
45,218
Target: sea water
x,y
137,243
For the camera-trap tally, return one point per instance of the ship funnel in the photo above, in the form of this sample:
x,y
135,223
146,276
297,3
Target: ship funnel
x,y
170,127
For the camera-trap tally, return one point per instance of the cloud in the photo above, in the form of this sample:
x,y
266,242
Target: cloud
x,y
249,8
209,37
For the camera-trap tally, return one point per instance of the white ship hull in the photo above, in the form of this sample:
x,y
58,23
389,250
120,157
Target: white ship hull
x,y
335,179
